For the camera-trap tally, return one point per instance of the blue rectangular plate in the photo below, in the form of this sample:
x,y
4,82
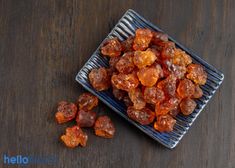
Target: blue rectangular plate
x,y
126,27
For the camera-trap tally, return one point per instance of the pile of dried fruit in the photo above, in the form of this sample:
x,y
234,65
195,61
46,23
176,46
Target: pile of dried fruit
x,y
81,112
155,79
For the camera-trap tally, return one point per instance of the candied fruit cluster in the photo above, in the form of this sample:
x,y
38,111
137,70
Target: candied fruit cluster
x,y
82,113
155,79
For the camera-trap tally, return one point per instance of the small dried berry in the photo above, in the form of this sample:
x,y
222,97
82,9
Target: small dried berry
x,y
125,64
186,88
112,48
87,101
148,76
196,73
187,106
137,98
85,118
65,112
153,95
144,58
142,39
125,81
164,123
104,127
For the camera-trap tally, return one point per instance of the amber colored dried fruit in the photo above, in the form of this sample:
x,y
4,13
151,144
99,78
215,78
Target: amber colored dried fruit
x,y
87,101
159,37
127,101
125,64
113,61
127,44
167,105
144,58
112,48
196,73
168,85
186,88
181,58
153,95
74,136
198,92
144,116
174,112
148,76
164,123
85,118
187,106
99,79
142,39
104,127
137,98
118,94
159,69
168,50
125,81
65,112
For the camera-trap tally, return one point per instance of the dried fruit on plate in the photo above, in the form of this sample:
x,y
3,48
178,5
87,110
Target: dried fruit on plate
x,y
127,44
187,106
142,39
125,64
74,136
87,101
164,123
198,92
99,79
186,88
148,76
104,127
166,106
125,81
65,112
137,98
144,58
196,73
112,48
168,85
153,95
85,118
144,116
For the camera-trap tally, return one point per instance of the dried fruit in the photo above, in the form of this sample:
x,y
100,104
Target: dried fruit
x,y
65,112
153,95
104,127
167,105
85,118
174,112
198,92
125,81
118,94
196,73
142,39
127,44
181,58
168,50
159,37
187,106
137,98
127,101
99,79
74,136
148,76
186,88
168,85
164,123
144,116
125,64
112,48
113,61
87,101
144,58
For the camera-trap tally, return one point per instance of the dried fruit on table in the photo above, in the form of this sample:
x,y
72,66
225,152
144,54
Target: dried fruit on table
x,y
167,105
186,88
164,123
153,95
74,136
112,48
137,98
144,58
99,79
87,101
127,44
104,127
198,92
125,81
196,73
65,112
168,85
118,93
148,76
187,106
144,116
125,64
142,39
85,118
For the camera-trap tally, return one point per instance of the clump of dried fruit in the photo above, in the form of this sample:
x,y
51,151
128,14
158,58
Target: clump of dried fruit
x,y
125,81
87,101
125,64
142,39
144,116
99,79
137,98
164,123
65,112
153,95
112,48
148,76
144,58
85,118
186,88
196,73
74,136
187,106
104,127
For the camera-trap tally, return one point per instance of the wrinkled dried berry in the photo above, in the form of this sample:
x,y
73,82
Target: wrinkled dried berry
x,y
196,73
198,92
187,106
144,58
104,127
112,48
87,101
127,44
85,118
125,81
137,98
153,95
142,39
125,64
148,76
167,105
164,123
65,112
186,88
